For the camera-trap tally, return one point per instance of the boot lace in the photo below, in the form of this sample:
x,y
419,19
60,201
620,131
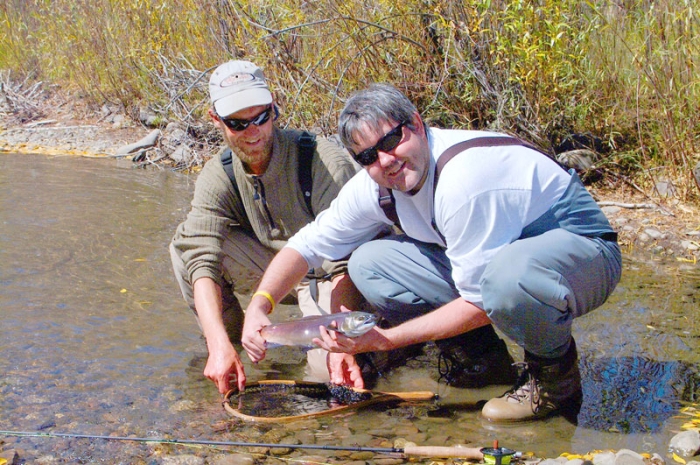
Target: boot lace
x,y
450,368
526,388
445,364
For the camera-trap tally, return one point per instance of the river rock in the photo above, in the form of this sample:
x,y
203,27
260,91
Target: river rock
x,y
231,459
654,233
148,117
665,188
628,457
186,459
181,154
604,458
686,443
11,456
690,245
556,461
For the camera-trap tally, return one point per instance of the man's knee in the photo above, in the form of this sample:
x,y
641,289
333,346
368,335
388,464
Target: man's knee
x,y
519,288
500,282
365,267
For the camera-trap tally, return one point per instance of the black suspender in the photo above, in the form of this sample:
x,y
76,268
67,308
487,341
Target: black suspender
x,y
386,197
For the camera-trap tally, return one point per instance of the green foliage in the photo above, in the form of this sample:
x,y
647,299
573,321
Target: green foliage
x,y
626,71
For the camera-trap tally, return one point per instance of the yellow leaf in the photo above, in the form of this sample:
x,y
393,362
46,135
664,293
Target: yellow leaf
x,y
678,459
123,291
140,260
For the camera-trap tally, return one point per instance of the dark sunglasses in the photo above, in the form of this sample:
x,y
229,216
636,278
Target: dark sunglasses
x,y
239,125
387,143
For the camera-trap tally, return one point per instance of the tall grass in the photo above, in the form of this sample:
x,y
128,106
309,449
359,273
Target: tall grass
x,y
625,71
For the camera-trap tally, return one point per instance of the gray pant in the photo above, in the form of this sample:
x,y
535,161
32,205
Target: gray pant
x,y
532,289
244,263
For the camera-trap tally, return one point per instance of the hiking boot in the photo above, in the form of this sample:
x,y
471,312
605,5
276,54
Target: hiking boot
x,y
475,359
545,387
459,369
377,364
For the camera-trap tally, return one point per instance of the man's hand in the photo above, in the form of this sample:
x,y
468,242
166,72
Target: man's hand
x,y
223,362
252,341
344,370
372,341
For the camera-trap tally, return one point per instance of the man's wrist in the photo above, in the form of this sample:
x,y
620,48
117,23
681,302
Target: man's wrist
x,y
265,296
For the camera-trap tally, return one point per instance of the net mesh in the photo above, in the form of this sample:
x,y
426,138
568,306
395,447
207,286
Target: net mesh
x,y
288,400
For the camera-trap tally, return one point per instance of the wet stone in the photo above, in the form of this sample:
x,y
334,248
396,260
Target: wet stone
x,y
232,459
359,439
182,460
10,455
604,458
686,443
281,451
556,461
628,457
362,455
388,461
310,460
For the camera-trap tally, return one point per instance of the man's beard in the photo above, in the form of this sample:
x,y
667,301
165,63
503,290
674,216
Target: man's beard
x,y
255,156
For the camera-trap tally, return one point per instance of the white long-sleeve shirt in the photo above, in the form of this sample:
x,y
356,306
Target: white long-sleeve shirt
x,y
484,198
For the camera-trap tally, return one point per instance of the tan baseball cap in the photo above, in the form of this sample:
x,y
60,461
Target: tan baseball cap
x,y
236,85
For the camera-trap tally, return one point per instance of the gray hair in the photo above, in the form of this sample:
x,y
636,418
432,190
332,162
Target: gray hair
x,y
369,108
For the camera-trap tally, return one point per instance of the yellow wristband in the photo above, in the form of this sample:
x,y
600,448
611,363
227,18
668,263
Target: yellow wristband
x,y
268,296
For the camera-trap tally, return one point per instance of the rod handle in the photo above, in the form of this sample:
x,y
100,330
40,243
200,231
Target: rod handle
x,y
444,452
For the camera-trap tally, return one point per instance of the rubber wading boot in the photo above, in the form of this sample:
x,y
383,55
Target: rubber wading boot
x,y
545,387
476,359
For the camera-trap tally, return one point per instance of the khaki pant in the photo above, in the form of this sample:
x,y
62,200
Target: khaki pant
x,y
244,262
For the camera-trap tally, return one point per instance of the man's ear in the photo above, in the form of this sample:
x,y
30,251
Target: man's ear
x,y
212,114
417,123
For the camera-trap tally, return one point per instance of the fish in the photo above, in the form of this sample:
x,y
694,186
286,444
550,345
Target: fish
x,y
300,332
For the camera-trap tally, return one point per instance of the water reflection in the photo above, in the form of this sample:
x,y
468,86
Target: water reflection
x,y
97,340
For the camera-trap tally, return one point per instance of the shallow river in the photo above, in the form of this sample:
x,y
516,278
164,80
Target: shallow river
x,y
95,339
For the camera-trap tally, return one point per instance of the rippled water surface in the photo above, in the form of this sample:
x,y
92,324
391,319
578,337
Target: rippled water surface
x,y
95,339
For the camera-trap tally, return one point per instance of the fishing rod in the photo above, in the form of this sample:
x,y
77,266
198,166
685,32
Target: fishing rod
x,y
418,451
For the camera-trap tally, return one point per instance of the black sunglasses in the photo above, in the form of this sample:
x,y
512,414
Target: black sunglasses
x,y
387,143
239,125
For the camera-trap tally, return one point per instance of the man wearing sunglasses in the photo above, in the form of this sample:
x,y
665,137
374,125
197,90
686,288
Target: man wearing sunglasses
x,y
236,226
503,237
